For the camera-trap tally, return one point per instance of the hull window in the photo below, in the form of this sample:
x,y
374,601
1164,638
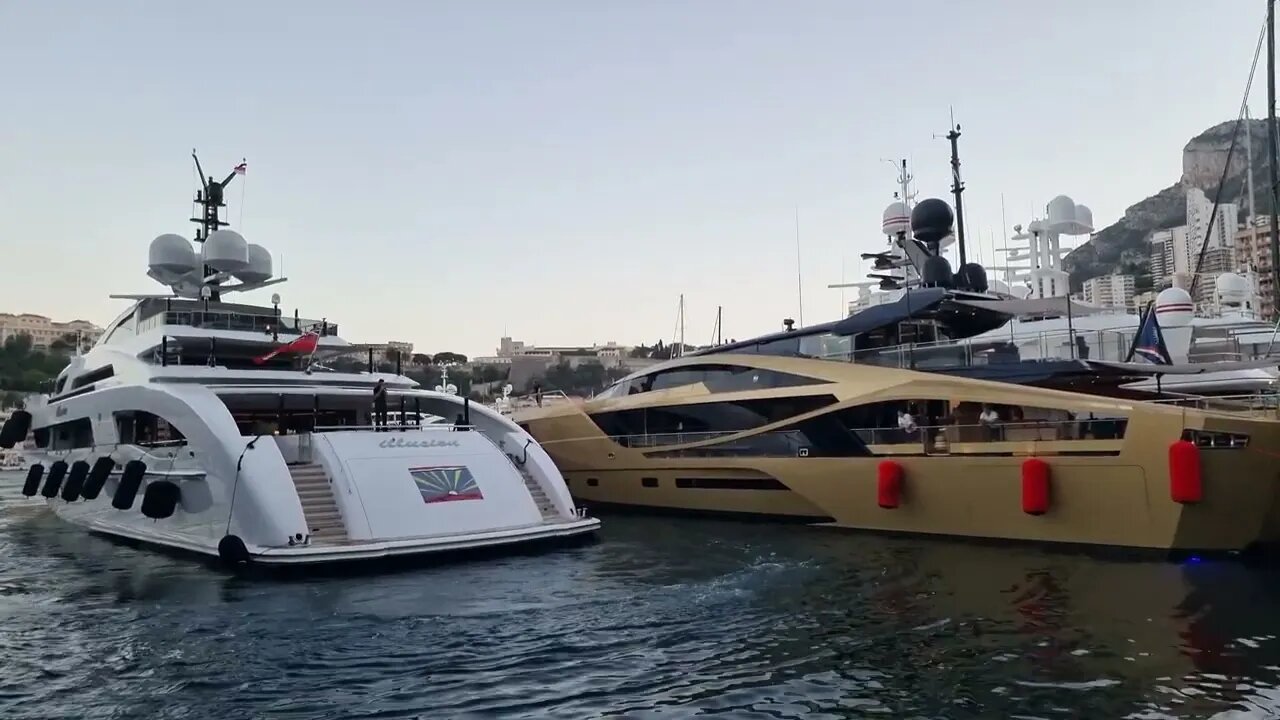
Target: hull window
x,y
649,482
136,427
730,483
69,435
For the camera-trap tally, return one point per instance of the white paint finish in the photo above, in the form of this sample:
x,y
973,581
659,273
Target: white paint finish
x,y
374,491
395,508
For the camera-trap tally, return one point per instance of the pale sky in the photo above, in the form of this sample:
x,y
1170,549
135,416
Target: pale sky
x,y
442,172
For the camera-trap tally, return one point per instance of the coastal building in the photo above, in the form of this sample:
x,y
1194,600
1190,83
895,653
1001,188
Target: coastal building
x,y
44,331
610,354
1253,253
1109,291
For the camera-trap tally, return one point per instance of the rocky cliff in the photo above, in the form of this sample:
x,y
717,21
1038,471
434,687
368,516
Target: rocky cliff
x,y
1121,246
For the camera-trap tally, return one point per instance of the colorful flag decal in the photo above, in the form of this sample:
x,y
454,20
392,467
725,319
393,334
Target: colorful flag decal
x,y
446,484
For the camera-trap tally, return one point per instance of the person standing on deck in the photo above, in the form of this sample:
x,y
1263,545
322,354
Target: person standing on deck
x,y
380,405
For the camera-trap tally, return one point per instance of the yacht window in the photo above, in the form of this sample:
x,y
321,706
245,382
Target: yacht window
x,y
678,424
716,379
138,427
820,436
68,435
915,420
826,346
93,376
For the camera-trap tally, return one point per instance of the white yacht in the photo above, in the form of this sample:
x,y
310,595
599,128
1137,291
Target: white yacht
x,y
202,425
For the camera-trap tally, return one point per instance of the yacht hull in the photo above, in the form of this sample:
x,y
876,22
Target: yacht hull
x,y
1103,489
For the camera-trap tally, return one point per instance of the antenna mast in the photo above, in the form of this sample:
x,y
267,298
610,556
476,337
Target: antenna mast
x,y
210,200
799,282
957,187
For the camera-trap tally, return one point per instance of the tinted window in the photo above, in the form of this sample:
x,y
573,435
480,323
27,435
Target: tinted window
x,y
691,423
94,376
68,435
821,436
716,378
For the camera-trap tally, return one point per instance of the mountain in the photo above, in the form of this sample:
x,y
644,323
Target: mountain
x,y
1122,247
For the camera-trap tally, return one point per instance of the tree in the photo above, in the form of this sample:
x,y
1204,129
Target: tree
x,y
421,359
443,358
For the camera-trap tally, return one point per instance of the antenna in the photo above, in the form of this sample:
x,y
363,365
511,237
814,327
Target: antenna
x,y
799,282
210,200
957,186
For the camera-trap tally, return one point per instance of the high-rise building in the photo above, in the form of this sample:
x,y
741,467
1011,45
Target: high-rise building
x,y
1109,291
1253,254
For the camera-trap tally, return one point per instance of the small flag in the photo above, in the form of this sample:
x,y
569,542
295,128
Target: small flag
x,y
242,167
1148,343
304,345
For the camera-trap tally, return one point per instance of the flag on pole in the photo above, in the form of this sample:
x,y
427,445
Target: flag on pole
x,y
303,345
242,167
1148,343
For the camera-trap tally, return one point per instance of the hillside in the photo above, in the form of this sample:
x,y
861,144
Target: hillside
x,y
1121,246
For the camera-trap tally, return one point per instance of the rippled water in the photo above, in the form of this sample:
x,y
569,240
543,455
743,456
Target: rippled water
x,y
661,618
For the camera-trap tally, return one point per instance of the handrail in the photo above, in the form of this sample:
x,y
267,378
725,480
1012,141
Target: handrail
x,y
999,432
437,427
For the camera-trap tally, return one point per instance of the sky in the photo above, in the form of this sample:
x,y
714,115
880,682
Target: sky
x,y
561,171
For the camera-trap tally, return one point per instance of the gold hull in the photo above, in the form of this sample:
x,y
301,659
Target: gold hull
x,y
1112,492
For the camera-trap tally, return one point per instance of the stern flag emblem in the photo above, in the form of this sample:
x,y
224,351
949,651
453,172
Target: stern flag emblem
x,y
446,484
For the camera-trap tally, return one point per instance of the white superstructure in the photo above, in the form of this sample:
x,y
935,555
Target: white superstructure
x,y
176,429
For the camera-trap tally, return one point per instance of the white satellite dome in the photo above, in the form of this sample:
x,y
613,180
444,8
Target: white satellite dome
x,y
259,267
1232,289
226,251
1174,307
1084,216
171,254
1066,217
1035,226
896,220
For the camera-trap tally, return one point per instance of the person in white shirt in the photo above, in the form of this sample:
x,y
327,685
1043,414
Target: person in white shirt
x,y
906,423
989,419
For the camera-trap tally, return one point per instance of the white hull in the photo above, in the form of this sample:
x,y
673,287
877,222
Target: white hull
x,y
100,521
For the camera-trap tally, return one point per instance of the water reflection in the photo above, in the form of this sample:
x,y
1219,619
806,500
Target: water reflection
x,y
663,617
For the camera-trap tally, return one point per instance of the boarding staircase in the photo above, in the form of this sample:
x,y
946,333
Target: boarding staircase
x,y
324,520
545,506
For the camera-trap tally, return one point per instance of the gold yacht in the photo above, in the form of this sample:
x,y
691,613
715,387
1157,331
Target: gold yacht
x,y
889,449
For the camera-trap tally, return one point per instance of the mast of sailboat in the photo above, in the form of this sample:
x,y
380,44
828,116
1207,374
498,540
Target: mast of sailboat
x,y
1271,157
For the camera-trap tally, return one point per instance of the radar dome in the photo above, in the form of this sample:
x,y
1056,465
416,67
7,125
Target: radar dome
x,y
1068,218
1174,307
937,272
259,267
931,220
226,251
896,221
1232,289
171,253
